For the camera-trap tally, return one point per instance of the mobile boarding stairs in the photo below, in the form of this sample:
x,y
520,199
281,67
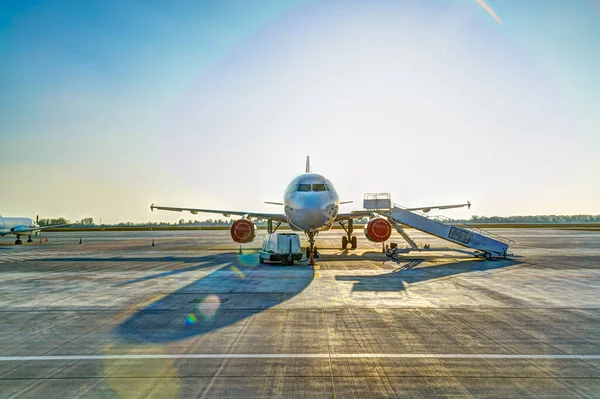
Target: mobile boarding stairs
x,y
486,244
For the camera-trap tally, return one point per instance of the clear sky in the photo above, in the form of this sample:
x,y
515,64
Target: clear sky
x,y
107,106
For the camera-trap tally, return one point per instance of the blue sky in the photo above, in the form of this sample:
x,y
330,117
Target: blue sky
x,y
108,106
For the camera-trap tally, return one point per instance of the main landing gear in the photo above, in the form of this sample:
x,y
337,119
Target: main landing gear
x,y
348,238
19,242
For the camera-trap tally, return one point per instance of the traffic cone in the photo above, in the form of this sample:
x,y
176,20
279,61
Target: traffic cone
x,y
41,240
312,258
152,243
46,238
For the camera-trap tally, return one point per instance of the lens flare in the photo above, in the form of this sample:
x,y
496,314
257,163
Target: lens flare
x,y
208,307
248,259
237,271
122,376
191,319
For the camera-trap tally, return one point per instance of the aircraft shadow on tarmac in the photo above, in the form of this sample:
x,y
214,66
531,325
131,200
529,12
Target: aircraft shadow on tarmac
x,y
409,273
201,262
240,288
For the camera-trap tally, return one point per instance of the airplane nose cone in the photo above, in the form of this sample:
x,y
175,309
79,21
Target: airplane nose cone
x,y
312,218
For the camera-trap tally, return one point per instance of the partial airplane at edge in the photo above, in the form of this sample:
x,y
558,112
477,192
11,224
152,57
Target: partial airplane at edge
x,y
310,204
21,227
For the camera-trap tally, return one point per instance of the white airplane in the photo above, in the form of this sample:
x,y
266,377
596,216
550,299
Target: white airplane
x,y
310,204
22,227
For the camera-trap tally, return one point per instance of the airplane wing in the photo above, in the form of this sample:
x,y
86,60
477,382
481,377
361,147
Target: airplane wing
x,y
367,213
428,208
54,225
273,216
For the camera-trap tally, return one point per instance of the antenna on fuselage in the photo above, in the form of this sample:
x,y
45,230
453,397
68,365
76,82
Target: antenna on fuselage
x,y
308,164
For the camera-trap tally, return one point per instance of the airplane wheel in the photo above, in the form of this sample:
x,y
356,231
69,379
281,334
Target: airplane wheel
x,y
30,240
344,242
18,242
353,242
487,256
307,252
315,252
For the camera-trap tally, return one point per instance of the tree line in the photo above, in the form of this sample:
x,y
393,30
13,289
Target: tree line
x,y
89,222
534,219
85,222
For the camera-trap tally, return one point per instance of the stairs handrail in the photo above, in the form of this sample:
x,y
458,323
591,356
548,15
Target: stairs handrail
x,y
446,220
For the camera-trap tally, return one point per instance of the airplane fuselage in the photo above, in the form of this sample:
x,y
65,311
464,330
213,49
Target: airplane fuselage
x,y
311,203
18,226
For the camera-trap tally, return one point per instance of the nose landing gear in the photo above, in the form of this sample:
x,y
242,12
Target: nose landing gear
x,y
311,245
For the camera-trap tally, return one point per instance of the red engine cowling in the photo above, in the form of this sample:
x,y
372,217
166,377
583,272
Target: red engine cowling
x,y
243,231
378,230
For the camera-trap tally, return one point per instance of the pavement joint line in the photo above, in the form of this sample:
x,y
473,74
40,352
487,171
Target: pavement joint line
x,y
224,362
301,356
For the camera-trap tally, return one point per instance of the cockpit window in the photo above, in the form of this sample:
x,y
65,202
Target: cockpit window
x,y
318,187
303,187
291,188
330,188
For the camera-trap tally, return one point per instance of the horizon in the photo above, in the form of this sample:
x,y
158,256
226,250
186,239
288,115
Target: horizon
x,y
110,106
227,221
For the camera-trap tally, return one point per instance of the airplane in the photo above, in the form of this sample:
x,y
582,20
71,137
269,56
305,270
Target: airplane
x,y
311,205
22,227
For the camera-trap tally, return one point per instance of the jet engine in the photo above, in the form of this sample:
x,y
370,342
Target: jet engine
x,y
378,230
243,231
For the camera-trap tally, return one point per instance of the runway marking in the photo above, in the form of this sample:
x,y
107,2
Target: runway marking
x,y
36,255
300,356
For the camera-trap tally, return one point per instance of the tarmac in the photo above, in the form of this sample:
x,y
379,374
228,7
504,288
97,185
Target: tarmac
x,y
190,317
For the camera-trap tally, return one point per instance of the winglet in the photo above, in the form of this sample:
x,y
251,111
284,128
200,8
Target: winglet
x,y
308,164
468,205
152,207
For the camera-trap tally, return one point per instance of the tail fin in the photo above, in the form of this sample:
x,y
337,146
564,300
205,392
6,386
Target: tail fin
x,y
308,164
